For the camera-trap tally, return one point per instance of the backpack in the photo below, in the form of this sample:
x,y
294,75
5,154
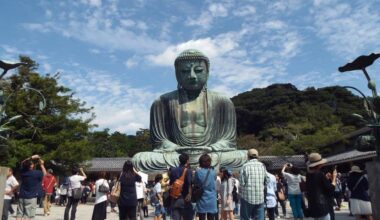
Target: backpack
x,y
176,188
235,196
153,197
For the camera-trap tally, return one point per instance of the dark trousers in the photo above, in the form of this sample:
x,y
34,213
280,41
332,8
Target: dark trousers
x,y
270,213
7,204
283,207
184,211
127,212
210,216
71,203
62,199
338,198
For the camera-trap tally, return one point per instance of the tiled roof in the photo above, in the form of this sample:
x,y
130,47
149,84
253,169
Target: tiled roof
x,y
277,162
349,156
112,164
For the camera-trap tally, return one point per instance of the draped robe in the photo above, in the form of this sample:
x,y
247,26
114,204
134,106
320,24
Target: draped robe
x,y
168,140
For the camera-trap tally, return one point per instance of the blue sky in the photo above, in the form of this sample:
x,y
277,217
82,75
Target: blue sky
x,y
118,55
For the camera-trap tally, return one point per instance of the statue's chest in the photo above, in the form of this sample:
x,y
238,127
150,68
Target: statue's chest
x,y
193,117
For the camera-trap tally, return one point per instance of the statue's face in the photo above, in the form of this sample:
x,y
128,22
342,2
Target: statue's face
x,y
192,74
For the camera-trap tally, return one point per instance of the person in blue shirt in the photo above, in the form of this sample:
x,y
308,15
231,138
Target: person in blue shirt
x,y
181,207
31,187
205,205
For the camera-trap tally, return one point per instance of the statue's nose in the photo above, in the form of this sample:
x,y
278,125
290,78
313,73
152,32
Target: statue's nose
x,y
192,74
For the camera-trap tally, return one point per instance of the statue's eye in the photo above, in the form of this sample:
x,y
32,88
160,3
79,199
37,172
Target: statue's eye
x,y
198,69
185,71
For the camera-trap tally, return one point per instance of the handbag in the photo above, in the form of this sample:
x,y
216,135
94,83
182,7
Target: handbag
x,y
115,192
197,191
103,188
281,195
77,193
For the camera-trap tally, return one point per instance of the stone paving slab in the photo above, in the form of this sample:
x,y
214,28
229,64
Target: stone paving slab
x,y
84,212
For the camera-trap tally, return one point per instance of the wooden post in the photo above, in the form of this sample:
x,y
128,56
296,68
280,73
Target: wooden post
x,y
3,179
373,170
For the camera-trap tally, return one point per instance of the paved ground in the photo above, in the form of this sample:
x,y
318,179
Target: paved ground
x,y
84,212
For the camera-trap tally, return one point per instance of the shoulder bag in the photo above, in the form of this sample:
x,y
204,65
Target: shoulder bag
x,y
103,188
115,192
75,193
176,187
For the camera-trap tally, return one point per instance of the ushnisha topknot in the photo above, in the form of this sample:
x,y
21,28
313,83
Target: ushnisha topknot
x,y
192,54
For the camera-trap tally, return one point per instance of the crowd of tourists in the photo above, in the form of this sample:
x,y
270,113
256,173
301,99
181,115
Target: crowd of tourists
x,y
201,192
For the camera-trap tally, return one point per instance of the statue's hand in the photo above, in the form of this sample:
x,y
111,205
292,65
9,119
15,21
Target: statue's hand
x,y
166,149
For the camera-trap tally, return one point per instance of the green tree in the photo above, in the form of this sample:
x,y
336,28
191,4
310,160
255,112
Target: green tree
x,y
57,133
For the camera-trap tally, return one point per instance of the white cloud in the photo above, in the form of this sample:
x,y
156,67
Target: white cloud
x,y
94,3
211,47
206,17
95,51
117,105
218,10
127,23
274,24
46,67
348,29
246,10
131,62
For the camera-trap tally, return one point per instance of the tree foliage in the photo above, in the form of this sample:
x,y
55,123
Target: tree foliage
x,y
56,132
289,121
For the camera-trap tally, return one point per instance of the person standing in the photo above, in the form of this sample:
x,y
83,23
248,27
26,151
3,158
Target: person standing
x,y
74,184
319,188
338,194
11,185
360,203
128,197
235,192
48,184
181,207
31,187
156,198
281,197
293,179
100,208
140,193
112,184
271,201
206,176
253,176
227,186
63,190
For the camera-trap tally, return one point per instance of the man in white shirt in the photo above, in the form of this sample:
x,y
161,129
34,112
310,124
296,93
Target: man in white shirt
x,y
10,186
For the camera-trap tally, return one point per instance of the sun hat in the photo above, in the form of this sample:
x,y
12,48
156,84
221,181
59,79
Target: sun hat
x,y
253,152
315,159
355,169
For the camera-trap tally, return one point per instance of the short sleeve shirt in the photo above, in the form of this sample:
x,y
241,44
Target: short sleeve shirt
x,y
75,181
100,197
157,188
9,184
31,186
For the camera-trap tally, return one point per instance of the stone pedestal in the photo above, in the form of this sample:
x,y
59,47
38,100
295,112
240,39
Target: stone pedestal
x,y
373,170
3,179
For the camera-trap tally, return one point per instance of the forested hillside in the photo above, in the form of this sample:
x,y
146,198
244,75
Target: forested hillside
x,y
281,119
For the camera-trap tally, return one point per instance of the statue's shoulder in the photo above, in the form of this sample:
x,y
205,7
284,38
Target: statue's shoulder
x,y
167,96
219,96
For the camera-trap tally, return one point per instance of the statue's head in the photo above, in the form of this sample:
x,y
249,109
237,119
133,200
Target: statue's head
x,y
191,68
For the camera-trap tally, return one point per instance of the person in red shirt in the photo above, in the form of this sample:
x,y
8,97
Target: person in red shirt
x,y
48,184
